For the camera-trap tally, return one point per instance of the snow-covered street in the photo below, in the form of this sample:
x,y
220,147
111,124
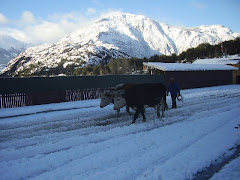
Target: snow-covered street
x,y
79,140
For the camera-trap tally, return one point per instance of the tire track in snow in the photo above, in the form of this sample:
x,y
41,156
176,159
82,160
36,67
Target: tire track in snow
x,y
42,112
56,125
26,124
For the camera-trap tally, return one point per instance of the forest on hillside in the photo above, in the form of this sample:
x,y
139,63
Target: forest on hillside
x,y
135,65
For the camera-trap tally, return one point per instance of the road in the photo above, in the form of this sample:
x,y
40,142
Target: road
x,y
80,140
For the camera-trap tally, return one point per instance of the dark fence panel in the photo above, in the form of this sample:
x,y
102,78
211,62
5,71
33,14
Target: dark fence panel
x,y
50,84
17,92
237,79
48,97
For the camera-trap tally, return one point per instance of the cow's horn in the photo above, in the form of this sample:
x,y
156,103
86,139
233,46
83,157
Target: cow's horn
x,y
107,92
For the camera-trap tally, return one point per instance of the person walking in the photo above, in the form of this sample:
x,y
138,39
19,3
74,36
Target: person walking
x,y
174,89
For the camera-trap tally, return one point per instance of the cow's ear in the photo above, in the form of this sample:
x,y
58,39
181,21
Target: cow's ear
x,y
121,92
119,86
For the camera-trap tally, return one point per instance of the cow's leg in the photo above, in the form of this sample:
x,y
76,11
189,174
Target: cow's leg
x,y
118,112
158,110
127,109
162,104
142,112
138,111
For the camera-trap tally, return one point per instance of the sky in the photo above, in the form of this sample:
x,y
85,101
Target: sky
x,y
47,21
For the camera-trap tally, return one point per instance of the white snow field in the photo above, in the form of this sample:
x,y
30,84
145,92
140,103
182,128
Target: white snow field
x,y
79,140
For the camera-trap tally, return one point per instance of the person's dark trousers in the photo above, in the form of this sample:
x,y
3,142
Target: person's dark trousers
x,y
174,103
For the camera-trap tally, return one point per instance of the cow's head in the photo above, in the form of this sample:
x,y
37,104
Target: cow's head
x,y
106,99
119,100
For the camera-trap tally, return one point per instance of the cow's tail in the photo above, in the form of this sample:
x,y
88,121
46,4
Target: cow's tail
x,y
162,106
165,102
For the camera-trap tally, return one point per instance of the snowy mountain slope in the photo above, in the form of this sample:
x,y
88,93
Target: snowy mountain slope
x,y
85,141
10,48
185,38
114,36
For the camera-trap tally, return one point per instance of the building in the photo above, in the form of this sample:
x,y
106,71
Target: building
x,y
232,61
193,75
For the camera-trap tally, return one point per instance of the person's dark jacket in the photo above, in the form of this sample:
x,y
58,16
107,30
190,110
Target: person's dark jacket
x,y
174,89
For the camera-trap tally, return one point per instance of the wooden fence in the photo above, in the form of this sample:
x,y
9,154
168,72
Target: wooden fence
x,y
15,100
18,92
27,99
85,94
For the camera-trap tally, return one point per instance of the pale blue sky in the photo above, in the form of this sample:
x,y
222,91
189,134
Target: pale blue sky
x,y
48,20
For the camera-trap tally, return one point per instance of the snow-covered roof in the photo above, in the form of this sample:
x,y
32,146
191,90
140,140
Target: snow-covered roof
x,y
225,60
188,67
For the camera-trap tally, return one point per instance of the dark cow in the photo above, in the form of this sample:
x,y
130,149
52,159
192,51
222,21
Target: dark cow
x,y
142,95
107,96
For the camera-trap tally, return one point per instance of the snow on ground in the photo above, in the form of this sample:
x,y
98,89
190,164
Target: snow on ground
x,y
79,140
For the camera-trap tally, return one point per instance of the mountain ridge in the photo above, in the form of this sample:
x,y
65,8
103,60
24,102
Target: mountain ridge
x,y
118,35
10,48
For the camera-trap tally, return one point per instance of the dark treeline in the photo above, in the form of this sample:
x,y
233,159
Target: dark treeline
x,y
210,51
135,65
115,66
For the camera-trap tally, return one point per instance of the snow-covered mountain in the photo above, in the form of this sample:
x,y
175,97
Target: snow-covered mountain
x,y
114,36
10,48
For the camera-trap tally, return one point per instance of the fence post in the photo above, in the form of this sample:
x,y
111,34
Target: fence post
x,y
0,101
